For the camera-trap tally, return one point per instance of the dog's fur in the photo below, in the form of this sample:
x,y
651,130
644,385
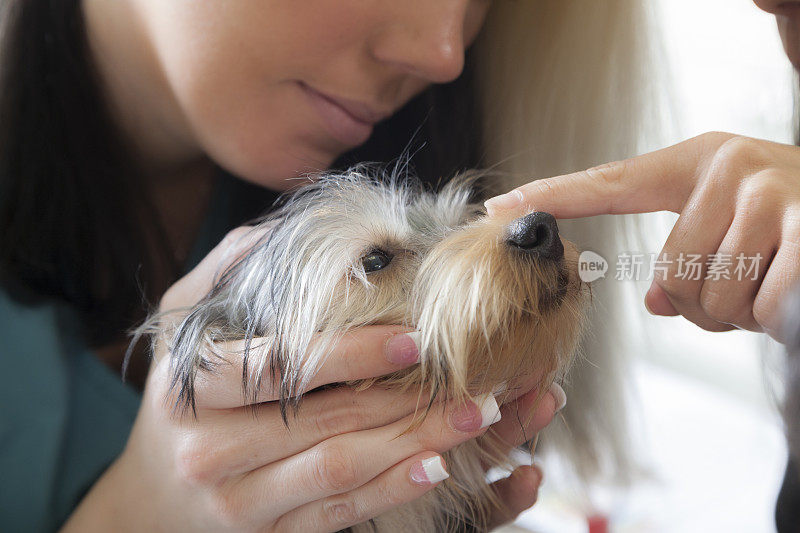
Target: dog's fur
x,y
488,313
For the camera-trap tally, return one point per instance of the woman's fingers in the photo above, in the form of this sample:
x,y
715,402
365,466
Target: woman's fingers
x,y
735,195
657,181
526,416
247,439
746,253
517,492
400,484
522,419
367,352
732,273
657,302
405,483
696,237
782,275
345,462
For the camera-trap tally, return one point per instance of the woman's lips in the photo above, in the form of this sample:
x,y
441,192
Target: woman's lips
x,y
349,122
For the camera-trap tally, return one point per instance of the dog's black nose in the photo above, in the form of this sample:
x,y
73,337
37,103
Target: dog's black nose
x,y
537,234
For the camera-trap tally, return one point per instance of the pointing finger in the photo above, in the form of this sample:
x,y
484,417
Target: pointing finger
x,y
660,180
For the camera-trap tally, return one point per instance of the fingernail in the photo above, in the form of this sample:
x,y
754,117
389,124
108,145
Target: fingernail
x,y
559,395
490,411
403,349
429,471
647,306
508,200
481,412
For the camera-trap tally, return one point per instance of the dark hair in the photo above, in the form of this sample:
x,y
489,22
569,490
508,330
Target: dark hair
x,y
77,224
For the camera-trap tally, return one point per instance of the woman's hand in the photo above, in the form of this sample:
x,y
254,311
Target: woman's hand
x,y
343,459
739,204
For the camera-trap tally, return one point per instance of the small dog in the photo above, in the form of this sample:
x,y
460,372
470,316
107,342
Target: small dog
x,y
494,300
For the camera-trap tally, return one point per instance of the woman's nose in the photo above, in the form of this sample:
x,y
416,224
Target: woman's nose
x,y
424,39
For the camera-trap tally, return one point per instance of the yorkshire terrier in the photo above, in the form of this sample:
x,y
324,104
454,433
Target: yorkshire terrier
x,y
495,300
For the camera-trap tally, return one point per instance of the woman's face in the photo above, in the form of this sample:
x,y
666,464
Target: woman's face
x,y
787,13
270,88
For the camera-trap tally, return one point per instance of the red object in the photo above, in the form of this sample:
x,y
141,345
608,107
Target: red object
x,y
597,523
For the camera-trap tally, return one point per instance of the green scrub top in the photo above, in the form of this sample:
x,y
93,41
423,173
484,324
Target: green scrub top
x,y
64,415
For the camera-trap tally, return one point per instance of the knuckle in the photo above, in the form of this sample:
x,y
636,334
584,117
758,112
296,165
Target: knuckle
x,y
542,188
736,154
612,180
610,174
712,140
737,146
335,470
749,200
342,512
197,461
675,285
763,190
717,306
334,420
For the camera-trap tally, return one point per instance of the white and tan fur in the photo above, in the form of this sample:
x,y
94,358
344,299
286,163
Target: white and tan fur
x,y
489,314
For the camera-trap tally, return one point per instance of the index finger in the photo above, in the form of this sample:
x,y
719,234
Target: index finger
x,y
657,181
366,352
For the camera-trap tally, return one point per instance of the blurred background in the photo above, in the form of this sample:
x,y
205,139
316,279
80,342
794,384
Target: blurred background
x,y
704,413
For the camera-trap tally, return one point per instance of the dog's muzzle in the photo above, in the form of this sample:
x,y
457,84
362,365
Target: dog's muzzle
x,y
536,234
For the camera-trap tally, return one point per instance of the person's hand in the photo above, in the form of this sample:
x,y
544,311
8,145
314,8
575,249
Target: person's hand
x,y
735,195
346,456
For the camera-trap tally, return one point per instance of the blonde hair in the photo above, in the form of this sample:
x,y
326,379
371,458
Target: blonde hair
x,y
563,86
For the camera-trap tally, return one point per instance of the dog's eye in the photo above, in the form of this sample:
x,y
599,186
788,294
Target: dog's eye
x,y
375,260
